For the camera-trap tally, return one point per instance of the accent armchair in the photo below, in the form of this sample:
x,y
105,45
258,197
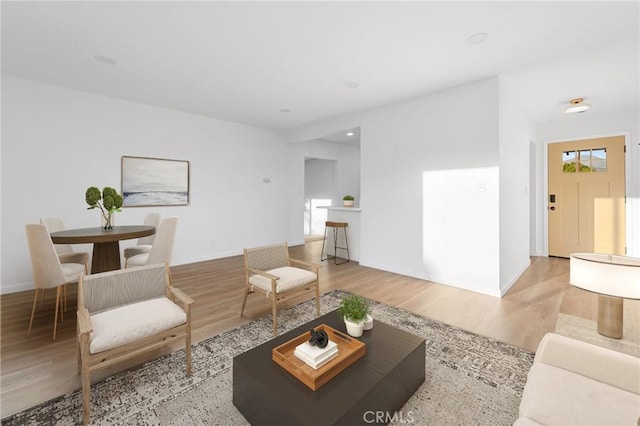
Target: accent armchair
x,y
270,270
125,312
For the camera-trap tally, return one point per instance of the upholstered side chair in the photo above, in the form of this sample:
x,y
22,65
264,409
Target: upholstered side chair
x,y
162,248
48,272
271,271
65,251
125,312
144,244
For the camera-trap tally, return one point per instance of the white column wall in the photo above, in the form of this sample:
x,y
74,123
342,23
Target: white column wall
x,y
57,142
515,136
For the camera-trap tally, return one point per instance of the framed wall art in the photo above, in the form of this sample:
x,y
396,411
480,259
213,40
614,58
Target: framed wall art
x,y
154,182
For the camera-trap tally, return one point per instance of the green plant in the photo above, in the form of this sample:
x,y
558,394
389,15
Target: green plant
x,y
108,201
353,308
348,198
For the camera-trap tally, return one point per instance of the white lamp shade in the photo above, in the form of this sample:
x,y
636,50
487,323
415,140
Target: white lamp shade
x,y
611,275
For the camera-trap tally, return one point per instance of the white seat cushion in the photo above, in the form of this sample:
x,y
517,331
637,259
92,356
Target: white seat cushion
x,y
290,277
135,250
138,260
128,323
72,271
555,396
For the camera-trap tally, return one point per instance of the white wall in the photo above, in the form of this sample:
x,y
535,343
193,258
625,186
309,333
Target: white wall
x,y
347,177
461,245
56,142
583,126
515,131
453,130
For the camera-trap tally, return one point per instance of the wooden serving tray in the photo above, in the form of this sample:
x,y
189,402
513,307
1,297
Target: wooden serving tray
x,y
349,351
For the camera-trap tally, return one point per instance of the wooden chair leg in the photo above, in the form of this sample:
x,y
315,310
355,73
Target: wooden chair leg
x,y
63,302
188,344
86,381
244,301
66,296
78,351
274,311
33,311
55,319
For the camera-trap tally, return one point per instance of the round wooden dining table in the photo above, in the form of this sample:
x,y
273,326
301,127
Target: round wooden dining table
x,y
106,244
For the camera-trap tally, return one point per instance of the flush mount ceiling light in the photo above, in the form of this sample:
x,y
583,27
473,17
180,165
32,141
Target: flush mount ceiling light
x,y
576,105
352,85
285,110
105,60
350,134
476,38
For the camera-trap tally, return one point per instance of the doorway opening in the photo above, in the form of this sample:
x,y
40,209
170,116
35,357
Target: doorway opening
x,y
319,185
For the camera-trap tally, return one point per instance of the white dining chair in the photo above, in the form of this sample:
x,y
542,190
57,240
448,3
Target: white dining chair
x,y
65,251
144,244
48,272
162,248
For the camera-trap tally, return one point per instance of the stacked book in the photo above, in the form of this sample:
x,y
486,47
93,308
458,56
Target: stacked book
x,y
314,356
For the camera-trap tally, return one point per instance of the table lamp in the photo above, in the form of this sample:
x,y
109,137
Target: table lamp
x,y
613,278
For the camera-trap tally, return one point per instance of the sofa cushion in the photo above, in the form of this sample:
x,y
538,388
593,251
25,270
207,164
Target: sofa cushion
x,y
290,277
128,323
553,395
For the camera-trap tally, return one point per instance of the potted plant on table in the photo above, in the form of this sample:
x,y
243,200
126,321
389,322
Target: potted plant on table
x,y
108,201
355,312
347,200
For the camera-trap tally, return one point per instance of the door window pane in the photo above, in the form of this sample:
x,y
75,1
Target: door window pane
x,y
599,160
584,162
569,162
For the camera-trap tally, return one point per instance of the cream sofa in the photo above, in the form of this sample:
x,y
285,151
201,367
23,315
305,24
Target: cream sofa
x,y
576,383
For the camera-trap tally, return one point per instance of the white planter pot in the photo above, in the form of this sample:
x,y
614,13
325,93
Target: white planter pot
x,y
354,328
368,323
348,203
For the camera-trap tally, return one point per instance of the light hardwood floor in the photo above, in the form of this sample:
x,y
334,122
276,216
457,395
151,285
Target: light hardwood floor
x,y
37,369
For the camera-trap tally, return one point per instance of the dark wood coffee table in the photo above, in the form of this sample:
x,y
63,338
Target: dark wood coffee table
x,y
380,382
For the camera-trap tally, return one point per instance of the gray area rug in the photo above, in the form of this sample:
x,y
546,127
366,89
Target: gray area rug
x,y
470,379
587,331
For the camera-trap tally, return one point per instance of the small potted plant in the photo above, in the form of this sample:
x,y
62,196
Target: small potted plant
x,y
348,200
354,310
108,201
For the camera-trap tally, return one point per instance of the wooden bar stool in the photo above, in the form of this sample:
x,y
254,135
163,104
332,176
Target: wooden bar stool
x,y
335,226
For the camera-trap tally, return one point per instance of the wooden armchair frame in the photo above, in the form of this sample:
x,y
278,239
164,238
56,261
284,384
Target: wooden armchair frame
x,y
260,260
88,362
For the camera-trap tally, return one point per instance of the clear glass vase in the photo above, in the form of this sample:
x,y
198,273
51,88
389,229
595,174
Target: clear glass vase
x,y
107,221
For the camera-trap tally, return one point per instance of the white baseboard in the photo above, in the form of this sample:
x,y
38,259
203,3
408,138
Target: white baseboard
x,y
423,276
17,287
505,288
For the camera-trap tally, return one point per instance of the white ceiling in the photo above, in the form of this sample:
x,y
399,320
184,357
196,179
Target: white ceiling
x,y
246,61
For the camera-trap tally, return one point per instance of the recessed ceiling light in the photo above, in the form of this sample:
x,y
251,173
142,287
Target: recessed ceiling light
x,y
352,85
350,134
285,110
105,60
576,105
476,38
